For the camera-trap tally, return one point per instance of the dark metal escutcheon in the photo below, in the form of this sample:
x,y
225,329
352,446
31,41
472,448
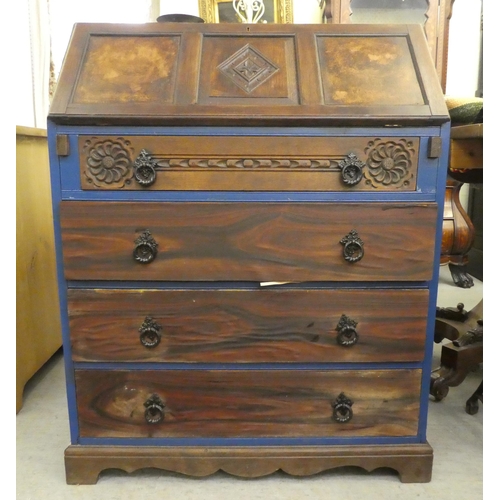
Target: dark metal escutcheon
x,y
353,247
352,169
150,333
154,410
145,169
146,248
342,409
347,336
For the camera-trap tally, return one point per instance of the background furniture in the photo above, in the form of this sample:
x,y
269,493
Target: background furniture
x,y
464,328
466,166
38,326
461,356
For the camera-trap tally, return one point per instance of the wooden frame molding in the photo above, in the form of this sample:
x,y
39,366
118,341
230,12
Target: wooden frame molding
x,y
283,11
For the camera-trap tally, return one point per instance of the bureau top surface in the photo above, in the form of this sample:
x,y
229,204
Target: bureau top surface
x,y
216,74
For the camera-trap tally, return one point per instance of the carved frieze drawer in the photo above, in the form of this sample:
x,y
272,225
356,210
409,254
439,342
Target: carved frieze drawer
x,y
257,242
249,163
248,326
251,403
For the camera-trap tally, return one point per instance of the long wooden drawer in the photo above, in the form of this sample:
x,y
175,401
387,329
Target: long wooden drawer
x,y
248,242
248,326
249,403
249,163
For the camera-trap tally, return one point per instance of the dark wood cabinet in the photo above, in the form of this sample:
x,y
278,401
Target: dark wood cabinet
x,y
248,246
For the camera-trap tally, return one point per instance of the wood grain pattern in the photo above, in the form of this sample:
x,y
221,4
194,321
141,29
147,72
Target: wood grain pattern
x,y
245,241
246,163
361,71
128,69
220,326
413,462
250,403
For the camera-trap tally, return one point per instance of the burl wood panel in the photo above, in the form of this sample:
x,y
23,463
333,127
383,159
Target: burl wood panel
x,y
250,403
413,462
245,241
221,326
128,69
246,163
368,71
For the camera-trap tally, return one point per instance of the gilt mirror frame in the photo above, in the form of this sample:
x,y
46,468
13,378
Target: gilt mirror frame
x,y
283,13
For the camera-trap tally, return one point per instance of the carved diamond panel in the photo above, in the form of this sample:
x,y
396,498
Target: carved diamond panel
x,y
248,68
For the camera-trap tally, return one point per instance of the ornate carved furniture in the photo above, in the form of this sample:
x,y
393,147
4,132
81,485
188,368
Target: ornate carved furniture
x,y
248,233
38,327
461,356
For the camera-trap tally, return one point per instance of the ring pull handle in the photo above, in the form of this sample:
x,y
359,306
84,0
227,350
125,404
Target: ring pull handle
x,y
342,409
150,333
352,169
146,248
347,334
145,169
154,413
353,247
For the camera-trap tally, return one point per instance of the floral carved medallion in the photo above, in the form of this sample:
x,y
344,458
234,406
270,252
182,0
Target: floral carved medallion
x,y
108,162
390,163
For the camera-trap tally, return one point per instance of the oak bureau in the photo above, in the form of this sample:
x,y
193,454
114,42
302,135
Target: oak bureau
x,y
248,225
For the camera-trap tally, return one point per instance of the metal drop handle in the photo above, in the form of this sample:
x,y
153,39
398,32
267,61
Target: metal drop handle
x,y
146,248
342,409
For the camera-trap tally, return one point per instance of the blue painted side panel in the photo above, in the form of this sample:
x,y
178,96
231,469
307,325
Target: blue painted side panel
x,y
62,286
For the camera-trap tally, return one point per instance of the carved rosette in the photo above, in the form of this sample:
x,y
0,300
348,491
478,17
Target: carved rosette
x,y
108,162
390,163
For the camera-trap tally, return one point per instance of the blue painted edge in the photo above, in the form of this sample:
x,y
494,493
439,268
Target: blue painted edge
x,y
242,285
55,181
251,442
242,196
250,131
433,288
333,366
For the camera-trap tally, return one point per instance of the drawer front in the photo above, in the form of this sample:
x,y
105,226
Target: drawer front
x,y
249,163
249,403
248,326
248,242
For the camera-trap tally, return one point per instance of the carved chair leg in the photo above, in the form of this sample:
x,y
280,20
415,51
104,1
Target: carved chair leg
x,y
460,276
456,363
472,404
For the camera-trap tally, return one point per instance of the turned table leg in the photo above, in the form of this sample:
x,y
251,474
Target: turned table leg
x,y
458,236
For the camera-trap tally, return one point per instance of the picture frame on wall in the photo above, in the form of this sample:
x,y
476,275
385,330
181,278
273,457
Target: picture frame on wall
x,y
222,11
